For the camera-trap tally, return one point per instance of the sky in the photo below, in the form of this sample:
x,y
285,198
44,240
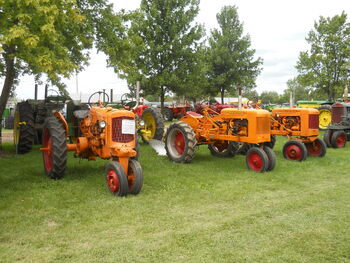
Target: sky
x,y
277,30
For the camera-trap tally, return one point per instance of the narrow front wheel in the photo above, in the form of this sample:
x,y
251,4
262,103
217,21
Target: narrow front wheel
x,y
116,179
257,160
317,148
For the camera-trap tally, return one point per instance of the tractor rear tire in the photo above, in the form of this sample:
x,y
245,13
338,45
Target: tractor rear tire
x,y
23,130
338,139
327,138
153,123
272,158
116,179
135,177
54,138
317,148
257,160
325,116
180,142
223,149
295,151
168,114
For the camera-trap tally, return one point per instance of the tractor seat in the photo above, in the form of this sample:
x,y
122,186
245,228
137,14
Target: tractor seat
x,y
81,114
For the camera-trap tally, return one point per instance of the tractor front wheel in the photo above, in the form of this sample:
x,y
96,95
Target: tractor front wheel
x,y
135,177
257,160
317,148
338,139
295,151
271,156
223,149
55,148
180,142
116,179
327,138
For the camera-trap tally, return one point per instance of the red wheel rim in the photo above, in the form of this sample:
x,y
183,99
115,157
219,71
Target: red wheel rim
x,y
47,154
255,162
341,140
179,142
314,148
112,181
293,152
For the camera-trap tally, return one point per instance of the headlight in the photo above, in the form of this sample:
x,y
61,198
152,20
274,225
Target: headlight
x,y
141,122
102,124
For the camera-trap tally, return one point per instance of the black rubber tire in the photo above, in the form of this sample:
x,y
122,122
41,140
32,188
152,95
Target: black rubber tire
x,y
168,114
227,152
335,139
123,187
302,148
135,186
271,156
317,148
186,154
327,138
27,130
262,157
55,130
159,122
272,142
137,147
328,108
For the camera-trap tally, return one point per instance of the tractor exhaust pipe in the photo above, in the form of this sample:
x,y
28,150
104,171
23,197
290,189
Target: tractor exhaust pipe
x,y
239,98
111,96
137,94
36,92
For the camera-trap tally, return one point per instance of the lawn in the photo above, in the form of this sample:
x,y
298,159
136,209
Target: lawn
x,y
212,210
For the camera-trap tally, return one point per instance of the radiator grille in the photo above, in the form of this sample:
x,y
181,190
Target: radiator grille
x,y
313,121
338,110
117,135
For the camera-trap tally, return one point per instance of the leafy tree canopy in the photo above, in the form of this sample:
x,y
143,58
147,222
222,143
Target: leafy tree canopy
x,y
326,65
162,44
232,62
50,37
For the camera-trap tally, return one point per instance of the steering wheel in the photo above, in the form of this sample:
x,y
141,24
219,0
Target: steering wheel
x,y
99,102
125,97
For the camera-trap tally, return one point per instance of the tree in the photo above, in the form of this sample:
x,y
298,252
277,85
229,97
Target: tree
x,y
299,91
162,48
268,97
49,37
326,65
232,62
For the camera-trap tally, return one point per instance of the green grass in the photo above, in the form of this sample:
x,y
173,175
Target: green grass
x,y
212,210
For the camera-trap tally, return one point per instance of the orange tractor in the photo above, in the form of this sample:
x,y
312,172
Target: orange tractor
x,y
102,132
222,132
300,125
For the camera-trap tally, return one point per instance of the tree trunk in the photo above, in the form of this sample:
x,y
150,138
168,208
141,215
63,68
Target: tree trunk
x,y
162,98
222,95
6,89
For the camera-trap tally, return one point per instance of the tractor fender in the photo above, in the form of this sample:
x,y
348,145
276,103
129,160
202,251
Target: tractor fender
x,y
60,117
